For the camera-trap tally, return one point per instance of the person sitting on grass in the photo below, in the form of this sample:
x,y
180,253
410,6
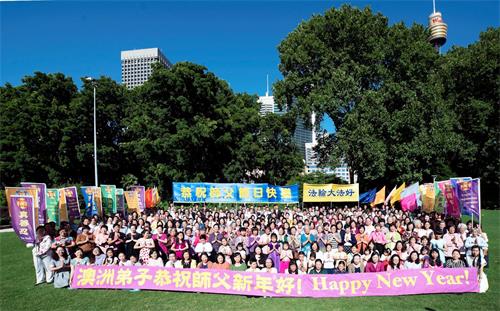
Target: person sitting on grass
x,y
356,265
341,268
253,265
220,263
413,261
374,264
455,261
205,263
60,266
318,267
238,265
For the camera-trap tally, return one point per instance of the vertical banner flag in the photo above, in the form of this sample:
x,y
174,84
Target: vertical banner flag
x,y
439,200
141,196
409,203
149,198
454,183
330,193
23,217
386,202
368,197
412,189
132,200
88,194
52,204
42,207
120,202
63,207
156,196
72,205
397,194
428,197
108,199
379,197
98,200
452,204
33,192
468,195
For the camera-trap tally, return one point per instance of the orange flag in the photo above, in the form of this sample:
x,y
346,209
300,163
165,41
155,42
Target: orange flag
x,y
379,197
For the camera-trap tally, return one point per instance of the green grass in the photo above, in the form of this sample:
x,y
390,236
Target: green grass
x,y
17,292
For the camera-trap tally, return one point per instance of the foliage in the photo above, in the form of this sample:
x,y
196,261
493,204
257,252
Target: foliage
x,y
389,95
184,124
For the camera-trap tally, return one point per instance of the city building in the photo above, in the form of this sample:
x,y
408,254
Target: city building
x,y
136,65
305,139
312,165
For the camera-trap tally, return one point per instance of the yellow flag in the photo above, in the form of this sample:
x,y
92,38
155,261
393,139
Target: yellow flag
x,y
396,196
379,197
428,196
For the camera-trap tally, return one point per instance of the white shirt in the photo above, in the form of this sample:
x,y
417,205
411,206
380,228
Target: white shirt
x,y
203,248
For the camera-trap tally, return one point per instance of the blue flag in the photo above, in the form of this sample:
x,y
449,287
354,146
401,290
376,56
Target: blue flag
x,y
368,197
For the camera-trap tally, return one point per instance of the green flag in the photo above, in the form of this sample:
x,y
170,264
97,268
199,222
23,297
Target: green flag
x,y
109,199
439,199
52,203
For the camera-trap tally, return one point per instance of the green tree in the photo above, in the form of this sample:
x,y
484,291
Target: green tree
x,y
185,124
472,83
380,86
33,117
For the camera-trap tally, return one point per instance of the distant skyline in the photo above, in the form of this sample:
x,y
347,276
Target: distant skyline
x,y
235,40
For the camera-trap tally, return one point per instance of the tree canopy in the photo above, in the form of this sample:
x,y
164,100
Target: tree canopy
x,y
183,124
401,111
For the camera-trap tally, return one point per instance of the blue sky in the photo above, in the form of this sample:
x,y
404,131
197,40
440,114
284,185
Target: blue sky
x,y
235,40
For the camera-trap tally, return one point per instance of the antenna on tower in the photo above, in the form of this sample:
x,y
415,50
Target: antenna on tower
x,y
437,28
267,85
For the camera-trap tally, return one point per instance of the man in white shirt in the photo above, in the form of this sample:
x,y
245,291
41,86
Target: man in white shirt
x,y
172,262
203,246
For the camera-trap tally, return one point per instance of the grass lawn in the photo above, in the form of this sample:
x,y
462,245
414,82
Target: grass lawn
x,y
17,292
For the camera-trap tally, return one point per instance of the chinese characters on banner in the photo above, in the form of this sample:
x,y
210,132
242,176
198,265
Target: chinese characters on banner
x,y
468,195
23,217
330,193
120,201
234,193
132,199
41,199
72,205
53,205
398,282
33,192
109,199
141,196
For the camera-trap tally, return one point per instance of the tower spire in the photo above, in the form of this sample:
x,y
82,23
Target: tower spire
x,y
267,85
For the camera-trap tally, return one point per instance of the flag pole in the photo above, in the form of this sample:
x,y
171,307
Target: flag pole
x,y
479,197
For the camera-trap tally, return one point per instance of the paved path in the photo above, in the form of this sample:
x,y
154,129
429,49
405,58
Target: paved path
x,y
6,230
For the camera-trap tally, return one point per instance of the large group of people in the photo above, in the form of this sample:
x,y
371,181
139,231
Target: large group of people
x,y
272,239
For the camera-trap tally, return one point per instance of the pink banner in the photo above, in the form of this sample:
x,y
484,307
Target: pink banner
x,y
409,203
399,282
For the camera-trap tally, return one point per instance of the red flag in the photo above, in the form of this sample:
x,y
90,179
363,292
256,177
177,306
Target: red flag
x,y
149,198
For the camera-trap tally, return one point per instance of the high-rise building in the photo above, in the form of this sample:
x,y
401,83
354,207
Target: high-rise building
x,y
305,139
136,65
312,165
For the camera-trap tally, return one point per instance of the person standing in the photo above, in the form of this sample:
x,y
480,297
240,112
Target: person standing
x,y
42,257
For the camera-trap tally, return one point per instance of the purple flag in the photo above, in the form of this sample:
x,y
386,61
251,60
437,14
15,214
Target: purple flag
x,y
72,202
23,217
42,205
468,195
141,191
